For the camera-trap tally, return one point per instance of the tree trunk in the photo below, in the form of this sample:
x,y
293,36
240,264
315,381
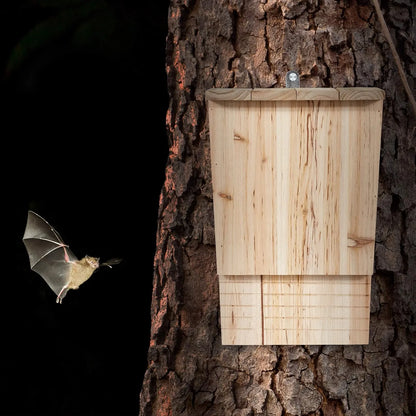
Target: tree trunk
x,y
253,43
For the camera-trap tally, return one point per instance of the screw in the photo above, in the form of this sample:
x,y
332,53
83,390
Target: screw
x,y
293,76
292,80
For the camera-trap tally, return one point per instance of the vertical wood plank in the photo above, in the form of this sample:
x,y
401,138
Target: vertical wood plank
x,y
315,189
219,155
241,310
362,129
282,182
271,187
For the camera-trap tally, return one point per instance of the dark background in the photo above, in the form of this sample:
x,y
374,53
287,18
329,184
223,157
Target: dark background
x,y
83,144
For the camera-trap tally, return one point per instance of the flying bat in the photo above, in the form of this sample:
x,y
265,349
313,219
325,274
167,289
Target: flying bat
x,y
50,257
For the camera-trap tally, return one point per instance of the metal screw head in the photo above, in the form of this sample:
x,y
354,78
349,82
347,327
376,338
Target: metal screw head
x,y
293,76
292,80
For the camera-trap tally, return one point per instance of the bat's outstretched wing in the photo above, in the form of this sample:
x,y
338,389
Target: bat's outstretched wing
x,y
48,254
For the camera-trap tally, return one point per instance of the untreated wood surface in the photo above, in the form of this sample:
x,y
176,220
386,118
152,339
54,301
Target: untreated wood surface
x,y
289,94
295,182
295,310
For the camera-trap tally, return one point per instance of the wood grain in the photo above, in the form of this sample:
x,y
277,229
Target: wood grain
x,y
295,186
293,310
317,94
354,94
241,310
295,177
316,309
296,94
273,94
234,94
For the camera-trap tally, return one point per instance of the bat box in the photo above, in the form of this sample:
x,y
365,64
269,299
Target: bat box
x,y
295,175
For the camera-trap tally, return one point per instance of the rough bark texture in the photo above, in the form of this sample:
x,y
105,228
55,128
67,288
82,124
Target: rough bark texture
x,y
253,43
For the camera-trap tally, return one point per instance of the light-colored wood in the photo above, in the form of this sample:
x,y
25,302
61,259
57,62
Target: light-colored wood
x,y
364,147
273,94
354,94
293,310
234,94
241,310
295,186
293,94
295,177
316,309
317,94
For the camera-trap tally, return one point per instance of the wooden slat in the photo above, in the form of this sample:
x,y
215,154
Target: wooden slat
x,y
295,186
361,128
273,94
228,94
293,310
314,206
316,310
316,94
353,94
293,94
241,310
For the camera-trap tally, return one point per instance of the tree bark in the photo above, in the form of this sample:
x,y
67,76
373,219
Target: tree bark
x,y
253,43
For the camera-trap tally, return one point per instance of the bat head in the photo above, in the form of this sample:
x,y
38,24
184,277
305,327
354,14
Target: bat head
x,y
93,262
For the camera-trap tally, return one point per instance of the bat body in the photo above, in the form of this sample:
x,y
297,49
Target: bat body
x,y
52,259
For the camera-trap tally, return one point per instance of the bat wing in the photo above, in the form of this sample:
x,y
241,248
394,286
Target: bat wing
x,y
48,254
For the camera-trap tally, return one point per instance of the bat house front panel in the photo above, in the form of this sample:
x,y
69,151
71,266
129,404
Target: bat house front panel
x,y
295,186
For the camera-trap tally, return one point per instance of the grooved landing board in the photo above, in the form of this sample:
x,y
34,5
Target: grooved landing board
x,y
295,180
293,310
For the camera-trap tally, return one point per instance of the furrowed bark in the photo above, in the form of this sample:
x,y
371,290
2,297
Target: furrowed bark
x,y
252,43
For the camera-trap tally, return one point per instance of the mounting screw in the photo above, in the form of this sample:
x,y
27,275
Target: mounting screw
x,y
292,79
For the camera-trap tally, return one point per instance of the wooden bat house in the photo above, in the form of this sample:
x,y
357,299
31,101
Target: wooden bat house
x,y
295,177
